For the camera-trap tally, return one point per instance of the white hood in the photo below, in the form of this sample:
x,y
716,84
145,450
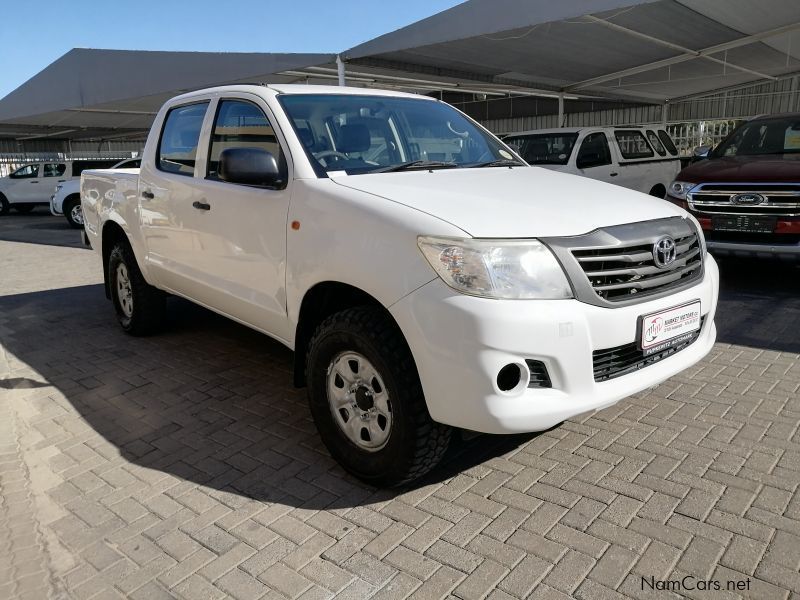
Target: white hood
x,y
513,203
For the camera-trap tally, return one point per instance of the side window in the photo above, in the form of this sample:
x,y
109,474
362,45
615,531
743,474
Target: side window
x,y
668,143
177,150
241,124
594,151
656,143
26,172
54,169
632,144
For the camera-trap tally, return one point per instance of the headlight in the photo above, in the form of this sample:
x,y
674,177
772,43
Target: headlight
x,y
510,269
679,189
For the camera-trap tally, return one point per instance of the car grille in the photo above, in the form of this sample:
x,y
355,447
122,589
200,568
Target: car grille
x,y
619,273
622,360
780,199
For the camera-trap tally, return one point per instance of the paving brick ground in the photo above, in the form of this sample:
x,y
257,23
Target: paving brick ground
x,y
185,465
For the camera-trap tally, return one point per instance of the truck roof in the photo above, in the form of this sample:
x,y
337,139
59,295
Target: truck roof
x,y
299,88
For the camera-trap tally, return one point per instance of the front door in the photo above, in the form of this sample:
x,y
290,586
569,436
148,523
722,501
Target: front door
x,y
594,159
25,184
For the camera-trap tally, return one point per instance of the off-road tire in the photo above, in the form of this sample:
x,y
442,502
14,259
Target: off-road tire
x,y
416,443
149,303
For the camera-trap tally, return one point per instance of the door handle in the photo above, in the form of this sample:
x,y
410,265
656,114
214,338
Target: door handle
x,y
61,180
34,181
149,195
201,205
613,174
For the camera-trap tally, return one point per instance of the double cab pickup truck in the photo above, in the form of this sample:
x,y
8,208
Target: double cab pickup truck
x,y
746,192
425,276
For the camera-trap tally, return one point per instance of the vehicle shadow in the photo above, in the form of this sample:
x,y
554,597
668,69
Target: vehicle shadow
x,y
759,304
39,227
208,400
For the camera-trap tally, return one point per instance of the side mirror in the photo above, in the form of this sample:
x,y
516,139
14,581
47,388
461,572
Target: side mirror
x,y
702,151
250,166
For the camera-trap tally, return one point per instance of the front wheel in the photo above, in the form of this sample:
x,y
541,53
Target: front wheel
x,y
139,306
73,212
367,402
4,205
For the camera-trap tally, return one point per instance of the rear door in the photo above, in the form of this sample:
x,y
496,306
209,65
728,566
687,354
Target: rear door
x,y
53,173
594,159
636,156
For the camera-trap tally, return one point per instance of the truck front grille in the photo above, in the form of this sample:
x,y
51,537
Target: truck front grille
x,y
627,358
779,199
618,273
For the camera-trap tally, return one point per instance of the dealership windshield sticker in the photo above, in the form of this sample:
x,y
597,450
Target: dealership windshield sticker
x,y
670,327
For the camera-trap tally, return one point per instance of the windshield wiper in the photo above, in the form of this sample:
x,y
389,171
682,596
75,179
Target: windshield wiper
x,y
416,164
500,162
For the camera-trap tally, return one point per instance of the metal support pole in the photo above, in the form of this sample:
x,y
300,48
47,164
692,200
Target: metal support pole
x,y
664,114
340,69
561,109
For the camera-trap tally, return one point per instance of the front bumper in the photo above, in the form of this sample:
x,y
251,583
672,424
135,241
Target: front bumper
x,y
461,342
791,251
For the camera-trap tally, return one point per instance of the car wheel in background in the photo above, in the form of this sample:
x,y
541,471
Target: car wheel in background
x,y
659,191
139,306
4,205
367,402
73,212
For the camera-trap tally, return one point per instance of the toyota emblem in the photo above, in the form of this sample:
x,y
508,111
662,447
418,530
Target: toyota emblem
x,y
664,252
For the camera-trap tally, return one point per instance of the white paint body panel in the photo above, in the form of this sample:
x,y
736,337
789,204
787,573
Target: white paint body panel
x,y
243,259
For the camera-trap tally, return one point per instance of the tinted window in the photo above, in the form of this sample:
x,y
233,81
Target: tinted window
x,y
656,143
26,172
773,136
241,124
544,148
632,144
54,169
177,151
667,141
594,151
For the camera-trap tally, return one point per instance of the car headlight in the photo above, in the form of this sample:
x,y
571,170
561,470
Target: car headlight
x,y
509,269
679,189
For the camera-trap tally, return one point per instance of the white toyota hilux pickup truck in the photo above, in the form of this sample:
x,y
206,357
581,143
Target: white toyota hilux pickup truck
x,y
424,275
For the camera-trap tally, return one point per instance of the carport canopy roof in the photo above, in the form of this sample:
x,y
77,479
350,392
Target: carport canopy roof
x,y
89,93
649,51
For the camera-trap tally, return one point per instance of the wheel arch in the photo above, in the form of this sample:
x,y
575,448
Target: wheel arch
x,y
659,190
319,302
112,233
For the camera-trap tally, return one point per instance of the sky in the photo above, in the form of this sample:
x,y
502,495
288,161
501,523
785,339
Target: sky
x,y
55,27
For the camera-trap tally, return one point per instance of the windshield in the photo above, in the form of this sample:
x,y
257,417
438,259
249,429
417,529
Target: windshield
x,y
773,136
544,148
363,134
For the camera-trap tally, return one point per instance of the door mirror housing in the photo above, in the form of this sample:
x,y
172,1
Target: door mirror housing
x,y
249,166
702,151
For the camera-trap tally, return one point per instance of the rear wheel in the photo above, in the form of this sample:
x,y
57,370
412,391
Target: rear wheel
x,y
139,306
24,208
73,212
367,401
3,205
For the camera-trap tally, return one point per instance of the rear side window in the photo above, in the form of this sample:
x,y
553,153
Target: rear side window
x,y
177,150
54,169
667,141
655,142
632,144
241,124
